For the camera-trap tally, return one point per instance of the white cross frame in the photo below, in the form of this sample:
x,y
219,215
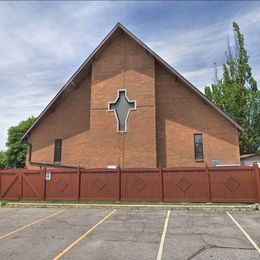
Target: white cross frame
x,y
129,109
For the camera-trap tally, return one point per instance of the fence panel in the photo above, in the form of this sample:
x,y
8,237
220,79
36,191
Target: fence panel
x,y
138,185
32,185
9,185
233,184
63,185
185,184
99,185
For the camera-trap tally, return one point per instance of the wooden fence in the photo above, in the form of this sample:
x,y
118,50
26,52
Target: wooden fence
x,y
200,184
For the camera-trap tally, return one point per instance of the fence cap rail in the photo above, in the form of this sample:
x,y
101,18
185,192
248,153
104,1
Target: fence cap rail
x,y
129,170
184,169
140,169
230,167
15,171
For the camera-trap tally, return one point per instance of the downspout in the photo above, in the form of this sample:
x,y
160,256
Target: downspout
x,y
41,164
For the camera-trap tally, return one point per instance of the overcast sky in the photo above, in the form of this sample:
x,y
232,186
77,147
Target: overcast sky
x,y
43,43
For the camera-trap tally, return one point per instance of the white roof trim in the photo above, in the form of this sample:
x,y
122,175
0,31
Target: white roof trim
x,y
157,57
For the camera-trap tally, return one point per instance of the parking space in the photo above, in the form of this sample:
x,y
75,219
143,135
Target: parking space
x,y
206,235
13,218
45,239
127,234
251,222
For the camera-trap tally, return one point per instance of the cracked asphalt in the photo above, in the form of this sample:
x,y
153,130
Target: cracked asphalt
x,y
32,233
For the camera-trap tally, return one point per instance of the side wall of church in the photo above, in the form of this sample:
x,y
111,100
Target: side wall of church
x,y
180,114
70,121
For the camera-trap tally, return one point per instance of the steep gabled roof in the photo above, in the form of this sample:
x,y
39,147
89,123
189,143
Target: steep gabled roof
x,y
85,68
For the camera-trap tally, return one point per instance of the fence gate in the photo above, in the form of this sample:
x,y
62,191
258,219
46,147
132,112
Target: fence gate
x,y
17,185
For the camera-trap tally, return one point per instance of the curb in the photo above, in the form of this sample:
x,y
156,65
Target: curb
x,y
204,207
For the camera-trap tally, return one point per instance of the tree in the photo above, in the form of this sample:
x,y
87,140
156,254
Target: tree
x,y
2,160
236,93
15,155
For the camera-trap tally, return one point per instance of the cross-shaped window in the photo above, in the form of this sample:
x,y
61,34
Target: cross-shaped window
x,y
121,107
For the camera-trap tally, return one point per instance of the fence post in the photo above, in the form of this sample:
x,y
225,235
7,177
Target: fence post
x,y
257,175
0,184
208,181
162,186
43,177
119,182
20,185
79,180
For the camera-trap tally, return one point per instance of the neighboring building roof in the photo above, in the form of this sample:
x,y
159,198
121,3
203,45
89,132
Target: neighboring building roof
x,y
85,68
243,156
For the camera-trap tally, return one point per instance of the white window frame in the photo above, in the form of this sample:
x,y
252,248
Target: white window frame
x,y
130,109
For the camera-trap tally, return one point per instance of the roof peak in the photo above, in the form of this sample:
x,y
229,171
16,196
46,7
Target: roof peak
x,y
73,80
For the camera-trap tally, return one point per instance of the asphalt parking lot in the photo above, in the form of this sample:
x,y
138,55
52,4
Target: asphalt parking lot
x,y
49,233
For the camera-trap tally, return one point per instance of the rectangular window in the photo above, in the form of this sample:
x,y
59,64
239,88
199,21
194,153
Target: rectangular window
x,y
57,150
198,146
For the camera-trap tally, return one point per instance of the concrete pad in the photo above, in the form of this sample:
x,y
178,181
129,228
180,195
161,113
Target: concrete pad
x,y
204,235
126,235
46,239
132,206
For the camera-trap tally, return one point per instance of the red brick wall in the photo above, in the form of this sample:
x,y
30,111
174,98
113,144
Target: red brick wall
x,y
180,114
122,65
160,131
70,121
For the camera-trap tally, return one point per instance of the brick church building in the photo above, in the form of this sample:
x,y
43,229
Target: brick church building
x,y
126,106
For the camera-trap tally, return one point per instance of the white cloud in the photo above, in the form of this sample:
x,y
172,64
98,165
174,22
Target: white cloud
x,y
201,77
193,52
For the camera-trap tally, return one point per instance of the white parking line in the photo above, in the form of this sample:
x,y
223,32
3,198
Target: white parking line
x,y
160,251
245,233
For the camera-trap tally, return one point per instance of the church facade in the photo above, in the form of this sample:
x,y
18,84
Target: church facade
x,y
127,107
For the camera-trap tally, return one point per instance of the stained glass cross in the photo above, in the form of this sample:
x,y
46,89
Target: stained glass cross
x,y
122,107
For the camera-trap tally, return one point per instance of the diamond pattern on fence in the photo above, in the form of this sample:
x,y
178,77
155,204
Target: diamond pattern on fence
x,y
98,184
232,184
139,184
183,184
61,185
